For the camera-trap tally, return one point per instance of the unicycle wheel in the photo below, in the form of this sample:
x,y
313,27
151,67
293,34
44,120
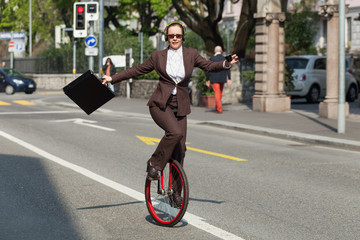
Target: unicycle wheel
x,y
167,198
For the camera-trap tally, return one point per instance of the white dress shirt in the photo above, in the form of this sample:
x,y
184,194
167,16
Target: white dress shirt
x,y
175,66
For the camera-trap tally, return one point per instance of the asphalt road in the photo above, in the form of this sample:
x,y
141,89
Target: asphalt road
x,y
66,175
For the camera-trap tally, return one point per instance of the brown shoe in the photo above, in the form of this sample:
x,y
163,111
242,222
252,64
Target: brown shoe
x,y
176,201
152,173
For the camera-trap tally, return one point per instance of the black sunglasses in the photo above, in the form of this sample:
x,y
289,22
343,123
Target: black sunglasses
x,y
171,36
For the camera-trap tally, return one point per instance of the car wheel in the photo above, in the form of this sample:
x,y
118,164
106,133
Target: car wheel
x,y
313,95
9,90
352,93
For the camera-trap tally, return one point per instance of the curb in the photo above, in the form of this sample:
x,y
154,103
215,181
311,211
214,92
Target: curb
x,y
300,137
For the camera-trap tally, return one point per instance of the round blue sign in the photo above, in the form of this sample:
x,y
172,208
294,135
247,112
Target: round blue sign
x,y
90,41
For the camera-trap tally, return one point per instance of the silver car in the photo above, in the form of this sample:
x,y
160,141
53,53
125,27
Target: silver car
x,y
310,79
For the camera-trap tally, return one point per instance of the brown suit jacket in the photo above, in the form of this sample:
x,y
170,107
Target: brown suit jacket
x,y
157,62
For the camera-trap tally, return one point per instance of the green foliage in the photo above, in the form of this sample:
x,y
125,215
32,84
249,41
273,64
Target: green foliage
x,y
14,16
63,57
150,13
193,40
249,76
161,7
289,85
200,83
300,30
224,36
150,76
311,50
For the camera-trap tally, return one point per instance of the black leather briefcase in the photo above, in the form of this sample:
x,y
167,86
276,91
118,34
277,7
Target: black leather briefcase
x,y
88,92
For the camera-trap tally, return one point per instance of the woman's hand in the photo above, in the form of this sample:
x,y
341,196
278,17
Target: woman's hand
x,y
207,83
234,59
106,79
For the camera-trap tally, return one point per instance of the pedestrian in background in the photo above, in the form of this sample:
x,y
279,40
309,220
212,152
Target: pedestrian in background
x,y
3,64
218,79
169,105
109,69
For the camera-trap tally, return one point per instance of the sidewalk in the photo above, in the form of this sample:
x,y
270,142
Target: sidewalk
x,y
301,123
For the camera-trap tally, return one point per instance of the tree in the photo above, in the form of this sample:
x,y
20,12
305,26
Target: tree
x,y
300,30
14,16
150,13
245,27
202,17
65,8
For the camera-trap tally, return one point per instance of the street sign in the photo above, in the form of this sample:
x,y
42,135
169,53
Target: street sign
x,y
15,35
11,46
91,41
91,51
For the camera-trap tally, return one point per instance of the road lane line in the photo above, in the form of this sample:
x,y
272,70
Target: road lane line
x,y
192,219
24,102
151,141
84,122
4,103
35,112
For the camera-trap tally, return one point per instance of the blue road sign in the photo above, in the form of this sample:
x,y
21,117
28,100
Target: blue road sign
x,y
90,41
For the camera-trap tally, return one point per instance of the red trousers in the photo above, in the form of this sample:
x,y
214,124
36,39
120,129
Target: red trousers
x,y
218,89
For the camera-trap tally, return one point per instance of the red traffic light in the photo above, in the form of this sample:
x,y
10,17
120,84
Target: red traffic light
x,y
80,9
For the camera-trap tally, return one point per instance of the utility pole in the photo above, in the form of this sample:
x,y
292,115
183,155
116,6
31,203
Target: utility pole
x,y
101,37
30,30
91,33
141,46
341,101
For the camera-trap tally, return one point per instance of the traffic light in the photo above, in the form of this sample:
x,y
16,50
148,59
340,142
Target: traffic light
x,y
80,21
92,11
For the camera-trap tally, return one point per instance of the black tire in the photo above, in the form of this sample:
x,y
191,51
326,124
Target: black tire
x,y
9,90
313,94
352,93
160,204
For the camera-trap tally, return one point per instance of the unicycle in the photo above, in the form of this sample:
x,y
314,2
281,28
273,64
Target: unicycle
x,y
167,197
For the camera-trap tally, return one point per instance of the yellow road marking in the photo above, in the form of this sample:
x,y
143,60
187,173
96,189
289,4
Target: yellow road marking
x,y
50,93
23,102
151,141
216,154
4,103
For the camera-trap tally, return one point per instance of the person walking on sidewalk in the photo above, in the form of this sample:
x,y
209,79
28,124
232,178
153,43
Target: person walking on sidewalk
x,y
109,69
170,103
218,79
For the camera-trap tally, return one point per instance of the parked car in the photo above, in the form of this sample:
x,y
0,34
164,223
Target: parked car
x,y
353,66
310,79
12,81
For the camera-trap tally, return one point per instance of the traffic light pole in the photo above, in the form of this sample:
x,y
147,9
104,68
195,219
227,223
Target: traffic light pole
x,y
12,53
91,58
74,58
101,36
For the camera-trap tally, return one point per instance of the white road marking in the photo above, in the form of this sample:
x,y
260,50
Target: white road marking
x,y
84,122
35,112
192,219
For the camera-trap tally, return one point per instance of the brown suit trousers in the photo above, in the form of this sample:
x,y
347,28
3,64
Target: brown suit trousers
x,y
172,145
